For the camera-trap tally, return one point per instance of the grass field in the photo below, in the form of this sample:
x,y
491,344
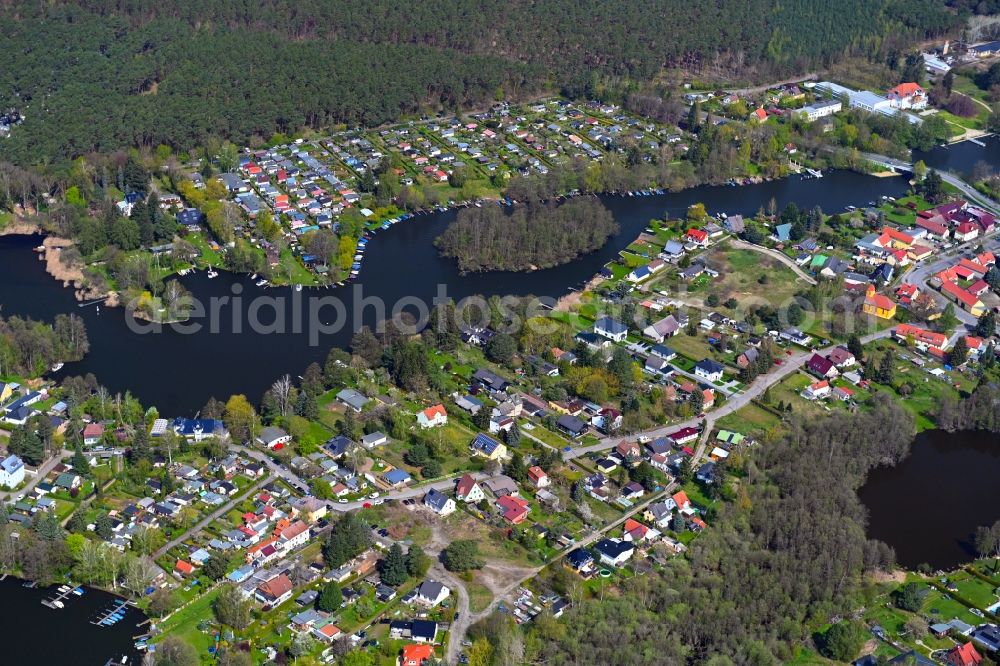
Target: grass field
x,y
741,272
748,420
184,624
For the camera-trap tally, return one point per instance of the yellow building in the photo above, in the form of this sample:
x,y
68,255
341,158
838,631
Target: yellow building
x,y
878,305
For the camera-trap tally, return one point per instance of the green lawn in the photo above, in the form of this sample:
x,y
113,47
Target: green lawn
x,y
749,419
184,624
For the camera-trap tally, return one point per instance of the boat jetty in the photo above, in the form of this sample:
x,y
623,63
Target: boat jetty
x,y
113,615
58,600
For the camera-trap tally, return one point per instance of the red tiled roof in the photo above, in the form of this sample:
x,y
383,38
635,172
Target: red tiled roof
x,y
906,89
961,295
415,655
921,335
435,410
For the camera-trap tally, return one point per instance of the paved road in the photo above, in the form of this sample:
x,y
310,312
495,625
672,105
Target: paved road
x,y
43,471
920,274
970,193
789,365
204,522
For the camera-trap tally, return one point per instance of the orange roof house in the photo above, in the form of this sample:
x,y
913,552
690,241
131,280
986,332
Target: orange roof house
x,y
416,655
184,568
538,477
895,238
634,530
906,293
973,267
922,337
759,115
680,498
878,304
965,299
432,416
963,655
697,235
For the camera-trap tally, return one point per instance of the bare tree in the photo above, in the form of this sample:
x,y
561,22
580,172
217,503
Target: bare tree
x,y
281,391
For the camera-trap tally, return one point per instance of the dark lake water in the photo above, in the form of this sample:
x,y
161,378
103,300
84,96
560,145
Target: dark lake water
x,y
178,372
929,506
962,157
35,634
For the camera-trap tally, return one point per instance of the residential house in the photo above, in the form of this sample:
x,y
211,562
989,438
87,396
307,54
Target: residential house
x,y
696,236
922,338
580,560
430,593
572,425
817,390
657,366
632,491
416,654
439,503
607,420
842,393
684,436
822,367
611,329
538,477
501,485
748,357
636,532
842,357
373,439
666,353
432,417
614,552
709,370
659,513
468,490
352,399
11,472
490,380
682,503
273,438
199,429
421,631
469,403
93,433
275,591
514,509
662,329
963,655
987,635
396,477
487,447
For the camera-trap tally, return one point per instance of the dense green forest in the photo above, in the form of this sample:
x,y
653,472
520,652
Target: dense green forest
x,y
533,236
98,75
29,347
786,554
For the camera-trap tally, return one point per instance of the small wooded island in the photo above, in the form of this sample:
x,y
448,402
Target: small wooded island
x,y
533,236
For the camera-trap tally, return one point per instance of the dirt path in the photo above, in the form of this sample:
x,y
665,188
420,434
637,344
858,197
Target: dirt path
x,y
774,254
